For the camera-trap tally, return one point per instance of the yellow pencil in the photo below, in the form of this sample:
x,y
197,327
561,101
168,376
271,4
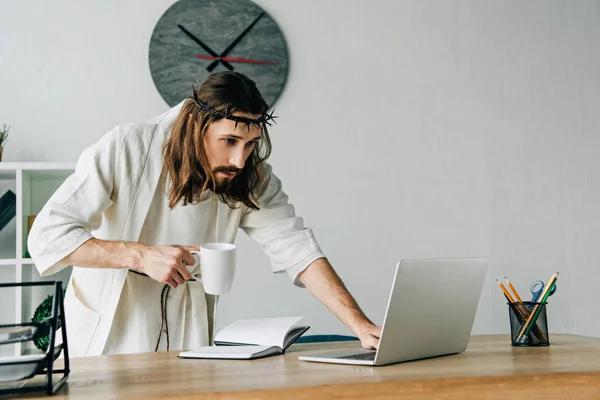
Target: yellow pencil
x,y
512,288
510,298
521,306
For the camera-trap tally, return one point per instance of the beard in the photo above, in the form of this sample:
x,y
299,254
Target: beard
x,y
224,184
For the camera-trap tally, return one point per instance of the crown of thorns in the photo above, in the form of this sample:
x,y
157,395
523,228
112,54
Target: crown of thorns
x,y
265,118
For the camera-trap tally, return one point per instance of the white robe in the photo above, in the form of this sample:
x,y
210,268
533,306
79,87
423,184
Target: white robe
x,y
186,312
109,197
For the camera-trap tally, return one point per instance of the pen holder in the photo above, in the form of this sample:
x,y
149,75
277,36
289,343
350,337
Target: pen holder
x,y
528,324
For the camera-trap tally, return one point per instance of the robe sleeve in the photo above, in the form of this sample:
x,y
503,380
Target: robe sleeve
x,y
281,234
68,218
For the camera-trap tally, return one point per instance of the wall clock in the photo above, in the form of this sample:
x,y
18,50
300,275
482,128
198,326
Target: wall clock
x,y
195,38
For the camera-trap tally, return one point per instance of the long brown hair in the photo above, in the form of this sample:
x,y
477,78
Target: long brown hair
x,y
184,155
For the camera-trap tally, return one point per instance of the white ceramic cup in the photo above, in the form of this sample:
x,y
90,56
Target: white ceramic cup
x,y
217,267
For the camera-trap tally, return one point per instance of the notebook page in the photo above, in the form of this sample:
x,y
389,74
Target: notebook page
x,y
259,331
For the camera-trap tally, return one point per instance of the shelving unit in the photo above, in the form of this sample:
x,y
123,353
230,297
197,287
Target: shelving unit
x,y
33,184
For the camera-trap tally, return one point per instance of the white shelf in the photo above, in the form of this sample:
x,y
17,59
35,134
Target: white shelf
x,y
43,170
34,183
37,166
15,261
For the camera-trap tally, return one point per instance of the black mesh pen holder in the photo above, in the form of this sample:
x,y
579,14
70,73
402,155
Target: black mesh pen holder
x,y
528,324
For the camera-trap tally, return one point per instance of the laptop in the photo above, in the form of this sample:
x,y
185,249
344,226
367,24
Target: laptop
x,y
430,313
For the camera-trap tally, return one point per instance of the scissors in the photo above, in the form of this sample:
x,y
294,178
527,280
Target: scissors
x,y
537,288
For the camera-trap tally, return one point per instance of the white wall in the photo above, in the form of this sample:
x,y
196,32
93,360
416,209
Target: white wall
x,y
422,128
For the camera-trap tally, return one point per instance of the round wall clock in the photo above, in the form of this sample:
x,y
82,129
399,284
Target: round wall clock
x,y
195,38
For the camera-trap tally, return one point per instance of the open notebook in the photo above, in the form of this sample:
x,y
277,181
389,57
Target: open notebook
x,y
246,339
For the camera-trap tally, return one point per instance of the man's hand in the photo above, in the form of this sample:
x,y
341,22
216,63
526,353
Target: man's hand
x,y
166,264
323,282
369,336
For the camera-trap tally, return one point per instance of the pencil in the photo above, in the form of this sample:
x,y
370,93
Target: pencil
x,y
512,288
523,307
508,296
534,314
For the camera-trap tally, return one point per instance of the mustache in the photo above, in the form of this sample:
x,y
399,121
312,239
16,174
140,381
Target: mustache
x,y
228,169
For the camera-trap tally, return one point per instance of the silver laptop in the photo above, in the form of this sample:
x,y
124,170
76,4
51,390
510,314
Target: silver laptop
x,y
430,313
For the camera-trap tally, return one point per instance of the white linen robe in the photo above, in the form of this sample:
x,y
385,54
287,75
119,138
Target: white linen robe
x,y
108,197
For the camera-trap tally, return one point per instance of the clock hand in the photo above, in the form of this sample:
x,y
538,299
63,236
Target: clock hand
x,y
234,43
240,60
205,47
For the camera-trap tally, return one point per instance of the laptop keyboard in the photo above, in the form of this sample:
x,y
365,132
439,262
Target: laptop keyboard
x,y
360,356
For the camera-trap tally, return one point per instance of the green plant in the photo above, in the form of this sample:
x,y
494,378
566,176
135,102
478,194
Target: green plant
x,y
43,311
4,134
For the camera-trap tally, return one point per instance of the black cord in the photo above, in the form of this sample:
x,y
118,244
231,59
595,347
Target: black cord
x,y
164,323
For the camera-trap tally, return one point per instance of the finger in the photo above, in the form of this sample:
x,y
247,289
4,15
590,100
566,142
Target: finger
x,y
374,343
182,271
368,344
188,248
376,332
177,277
171,283
187,258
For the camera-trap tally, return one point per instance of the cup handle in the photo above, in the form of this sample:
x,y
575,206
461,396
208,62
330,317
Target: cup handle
x,y
196,255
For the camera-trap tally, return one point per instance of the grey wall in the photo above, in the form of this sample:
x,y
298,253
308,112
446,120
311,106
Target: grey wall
x,y
407,129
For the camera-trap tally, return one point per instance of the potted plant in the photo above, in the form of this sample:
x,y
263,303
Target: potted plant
x,y
3,138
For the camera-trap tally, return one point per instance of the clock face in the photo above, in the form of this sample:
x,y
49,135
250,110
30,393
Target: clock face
x,y
195,38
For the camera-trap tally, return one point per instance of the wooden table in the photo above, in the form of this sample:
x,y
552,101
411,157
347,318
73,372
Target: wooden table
x,y
490,369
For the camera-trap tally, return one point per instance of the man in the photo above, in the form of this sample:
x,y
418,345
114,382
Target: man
x,y
147,194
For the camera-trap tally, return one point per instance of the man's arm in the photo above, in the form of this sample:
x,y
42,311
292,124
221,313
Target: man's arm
x,y
291,247
62,232
324,283
165,264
